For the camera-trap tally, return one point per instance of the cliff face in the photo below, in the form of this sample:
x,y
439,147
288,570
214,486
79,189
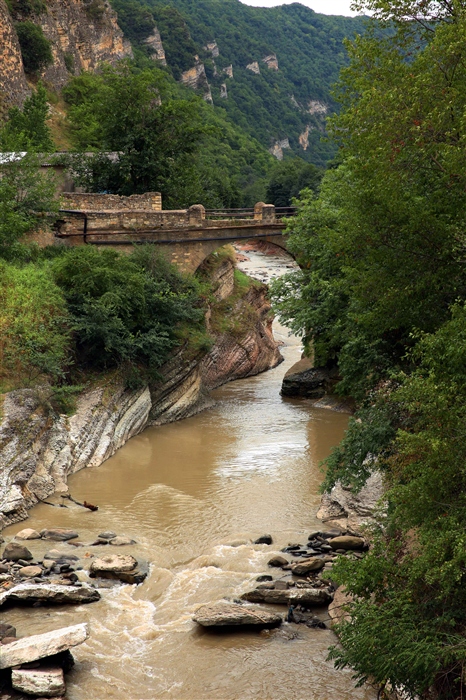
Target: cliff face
x,y
39,450
82,35
13,85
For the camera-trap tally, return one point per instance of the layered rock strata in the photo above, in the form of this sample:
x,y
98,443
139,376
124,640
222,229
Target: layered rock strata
x,y
40,449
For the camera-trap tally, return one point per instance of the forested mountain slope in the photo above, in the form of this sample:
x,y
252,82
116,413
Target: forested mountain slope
x,y
270,69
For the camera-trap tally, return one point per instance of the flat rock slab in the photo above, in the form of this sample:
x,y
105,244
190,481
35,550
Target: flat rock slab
x,y
114,563
234,615
303,596
119,567
49,594
40,682
58,534
27,534
39,646
346,542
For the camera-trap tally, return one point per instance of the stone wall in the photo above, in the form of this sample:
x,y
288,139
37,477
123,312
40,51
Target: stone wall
x,y
150,201
13,86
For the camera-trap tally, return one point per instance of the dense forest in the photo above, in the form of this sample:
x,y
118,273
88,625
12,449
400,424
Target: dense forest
x,y
271,105
381,296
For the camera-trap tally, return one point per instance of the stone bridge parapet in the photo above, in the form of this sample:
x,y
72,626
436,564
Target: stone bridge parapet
x,y
186,236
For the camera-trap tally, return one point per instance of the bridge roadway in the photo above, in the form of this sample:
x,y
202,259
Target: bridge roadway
x,y
187,237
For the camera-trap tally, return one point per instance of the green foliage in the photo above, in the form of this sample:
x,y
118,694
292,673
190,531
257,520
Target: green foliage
x,y
289,178
35,48
271,105
381,293
408,622
27,200
121,111
69,62
25,8
95,9
136,20
124,310
27,128
178,45
33,325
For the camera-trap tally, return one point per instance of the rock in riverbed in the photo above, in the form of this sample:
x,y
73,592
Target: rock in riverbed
x,y
39,646
44,682
49,594
15,552
307,566
347,542
58,534
121,567
303,596
234,615
27,534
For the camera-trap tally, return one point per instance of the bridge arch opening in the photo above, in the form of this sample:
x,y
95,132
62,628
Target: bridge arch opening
x,y
268,245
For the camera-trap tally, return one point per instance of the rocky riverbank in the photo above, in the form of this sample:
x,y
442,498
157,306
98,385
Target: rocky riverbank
x,y
40,449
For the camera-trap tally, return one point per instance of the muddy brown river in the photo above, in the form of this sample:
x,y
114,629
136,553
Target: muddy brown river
x,y
194,494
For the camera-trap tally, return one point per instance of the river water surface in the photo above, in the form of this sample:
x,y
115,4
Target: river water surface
x,y
194,494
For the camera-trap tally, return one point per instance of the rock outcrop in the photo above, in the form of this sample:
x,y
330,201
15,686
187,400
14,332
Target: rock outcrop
x,y
13,86
39,449
196,79
154,43
83,35
277,148
344,508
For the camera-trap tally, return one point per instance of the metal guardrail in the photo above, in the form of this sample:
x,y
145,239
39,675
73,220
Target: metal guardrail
x,y
246,213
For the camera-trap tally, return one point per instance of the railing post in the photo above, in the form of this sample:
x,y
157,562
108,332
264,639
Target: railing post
x,y
264,212
196,215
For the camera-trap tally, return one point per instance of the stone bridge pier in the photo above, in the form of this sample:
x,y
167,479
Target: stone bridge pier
x,y
186,237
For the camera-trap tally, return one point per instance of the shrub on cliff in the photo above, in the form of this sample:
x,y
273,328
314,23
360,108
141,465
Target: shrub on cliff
x,y
124,309
35,47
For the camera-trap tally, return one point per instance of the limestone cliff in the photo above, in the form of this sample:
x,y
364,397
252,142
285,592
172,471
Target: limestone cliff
x,y
196,79
83,35
40,449
13,86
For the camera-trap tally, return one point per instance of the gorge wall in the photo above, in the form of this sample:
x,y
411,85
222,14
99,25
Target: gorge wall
x,y
40,449
82,34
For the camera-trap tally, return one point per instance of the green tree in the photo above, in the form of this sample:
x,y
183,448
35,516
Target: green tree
x,y
131,113
27,200
125,310
289,178
27,127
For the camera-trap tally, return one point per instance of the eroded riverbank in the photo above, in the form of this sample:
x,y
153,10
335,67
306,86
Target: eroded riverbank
x,y
194,494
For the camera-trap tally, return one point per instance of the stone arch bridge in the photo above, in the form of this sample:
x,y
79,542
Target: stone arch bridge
x,y
187,236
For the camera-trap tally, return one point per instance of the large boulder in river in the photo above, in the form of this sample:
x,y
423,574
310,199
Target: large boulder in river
x,y
15,551
44,682
302,379
49,594
29,649
306,566
302,596
346,542
234,615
